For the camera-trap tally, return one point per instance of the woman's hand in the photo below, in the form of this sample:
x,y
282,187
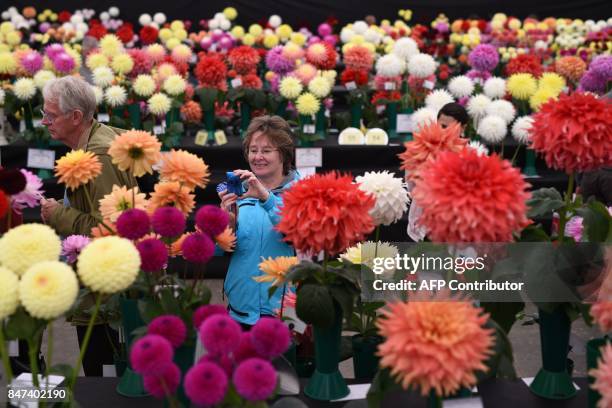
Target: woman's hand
x,y
227,201
256,189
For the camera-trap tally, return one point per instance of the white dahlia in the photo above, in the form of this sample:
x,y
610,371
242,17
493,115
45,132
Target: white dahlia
x,y
495,87
390,66
461,86
503,109
521,128
422,65
405,48
493,129
477,106
391,196
422,117
437,99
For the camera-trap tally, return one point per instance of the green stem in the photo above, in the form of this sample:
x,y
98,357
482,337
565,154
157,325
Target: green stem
x,y
518,148
32,353
502,150
91,211
377,238
5,357
563,214
49,352
283,300
90,326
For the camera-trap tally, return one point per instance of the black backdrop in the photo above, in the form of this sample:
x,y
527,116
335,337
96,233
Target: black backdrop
x,y
310,12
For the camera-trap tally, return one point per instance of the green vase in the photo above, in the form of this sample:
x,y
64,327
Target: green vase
x,y
27,117
433,400
530,158
281,110
356,112
134,112
553,381
365,360
326,383
320,123
172,116
130,384
305,139
593,354
245,118
184,357
209,124
392,118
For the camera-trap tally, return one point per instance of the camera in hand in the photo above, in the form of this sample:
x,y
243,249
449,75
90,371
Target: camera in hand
x,y
234,184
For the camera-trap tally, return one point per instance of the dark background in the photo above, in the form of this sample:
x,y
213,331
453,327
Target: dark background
x,y
310,12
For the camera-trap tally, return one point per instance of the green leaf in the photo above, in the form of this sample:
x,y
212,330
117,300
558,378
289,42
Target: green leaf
x,y
345,298
169,302
149,309
544,201
23,326
504,314
382,384
501,362
303,270
534,233
597,221
272,291
315,305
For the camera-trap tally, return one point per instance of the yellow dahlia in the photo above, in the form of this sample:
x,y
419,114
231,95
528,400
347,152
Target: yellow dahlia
x,y
48,289
111,45
174,85
552,82
320,87
540,97
9,292
122,63
108,264
186,168
42,77
230,13
521,86
24,89
77,168
435,344
144,85
174,194
96,60
307,104
290,87
103,76
115,96
28,244
275,269
8,63
159,104
136,151
119,200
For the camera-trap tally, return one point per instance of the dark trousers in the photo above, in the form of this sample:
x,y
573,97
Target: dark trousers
x,y
99,352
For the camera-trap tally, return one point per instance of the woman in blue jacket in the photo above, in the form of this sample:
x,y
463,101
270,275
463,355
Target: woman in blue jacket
x,y
269,150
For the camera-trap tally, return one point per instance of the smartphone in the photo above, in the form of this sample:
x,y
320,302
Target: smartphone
x,y
234,184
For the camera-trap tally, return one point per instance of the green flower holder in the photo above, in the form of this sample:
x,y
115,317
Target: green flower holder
x,y
130,384
530,158
392,118
184,357
356,114
365,360
134,113
326,383
320,124
209,124
172,116
245,118
281,110
553,381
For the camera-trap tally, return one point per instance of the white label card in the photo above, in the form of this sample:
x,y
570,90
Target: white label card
x,y
201,137
309,157
236,82
41,159
404,123
220,137
307,171
158,130
351,85
309,129
103,117
428,85
389,86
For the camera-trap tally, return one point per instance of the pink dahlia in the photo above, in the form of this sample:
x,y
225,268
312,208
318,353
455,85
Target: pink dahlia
x,y
170,327
153,253
270,337
169,222
255,379
72,247
63,63
220,334
133,224
32,193
211,220
150,353
32,62
198,248
206,384
246,348
358,58
204,312
164,382
603,377
602,313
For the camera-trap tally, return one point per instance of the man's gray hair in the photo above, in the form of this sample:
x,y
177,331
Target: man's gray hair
x,y
71,93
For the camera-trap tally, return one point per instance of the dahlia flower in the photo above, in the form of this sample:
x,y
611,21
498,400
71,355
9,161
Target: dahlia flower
x,y
320,87
603,377
77,168
255,379
405,48
503,109
524,64
477,106
122,64
571,67
30,196
307,104
290,87
9,292
495,88
421,65
115,96
437,99
159,104
360,58
364,254
24,89
521,128
553,82
144,85
483,57
186,168
164,382
423,116
522,86
174,194
541,96
461,86
72,247
492,128
390,194
174,85
136,151
390,65
103,77
602,314
244,59
42,77
480,148
111,45
206,384
96,60
275,269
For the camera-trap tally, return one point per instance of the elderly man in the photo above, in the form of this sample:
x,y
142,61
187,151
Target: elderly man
x,y
68,113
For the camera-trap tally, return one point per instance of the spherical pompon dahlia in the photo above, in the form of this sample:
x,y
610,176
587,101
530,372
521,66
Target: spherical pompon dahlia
x,y
573,132
421,65
471,198
603,377
522,86
9,292
211,220
390,194
290,87
198,248
186,168
571,67
390,65
48,289
307,104
204,312
171,327
28,244
164,382
108,264
244,59
484,57
133,224
429,142
191,111
255,379
435,345
495,88
461,86
150,353
325,212
135,151
206,384
220,334
270,337
169,222
153,253
360,58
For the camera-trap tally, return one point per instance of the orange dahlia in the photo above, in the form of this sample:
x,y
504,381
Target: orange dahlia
x,y
326,212
428,143
226,240
603,377
77,168
186,168
573,132
101,230
119,200
175,247
191,112
136,151
602,313
571,67
275,269
435,344
467,197
171,193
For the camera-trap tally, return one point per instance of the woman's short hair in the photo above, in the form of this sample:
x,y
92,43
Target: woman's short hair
x,y
455,111
71,93
279,132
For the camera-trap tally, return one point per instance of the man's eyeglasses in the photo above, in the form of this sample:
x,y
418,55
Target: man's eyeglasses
x,y
49,117
265,151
